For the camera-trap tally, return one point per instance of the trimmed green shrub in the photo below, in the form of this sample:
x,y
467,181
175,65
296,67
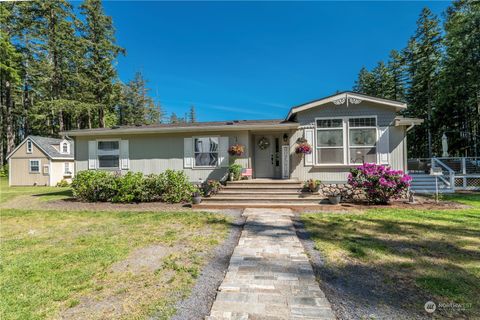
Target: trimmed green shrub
x,y
62,183
176,187
236,170
129,188
93,185
152,188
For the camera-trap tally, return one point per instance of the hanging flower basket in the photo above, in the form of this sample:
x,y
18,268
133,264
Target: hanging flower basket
x,y
303,148
236,150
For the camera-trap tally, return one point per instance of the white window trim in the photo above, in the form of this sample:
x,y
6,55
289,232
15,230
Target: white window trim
x,y
346,140
65,142
46,166
30,166
65,165
218,152
29,146
98,154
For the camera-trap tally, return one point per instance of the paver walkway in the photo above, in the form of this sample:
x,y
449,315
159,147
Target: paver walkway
x,y
270,276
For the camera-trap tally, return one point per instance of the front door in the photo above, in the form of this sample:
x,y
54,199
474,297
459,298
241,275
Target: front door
x,y
267,157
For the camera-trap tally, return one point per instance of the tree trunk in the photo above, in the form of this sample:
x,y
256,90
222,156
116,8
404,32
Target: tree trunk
x,y
9,118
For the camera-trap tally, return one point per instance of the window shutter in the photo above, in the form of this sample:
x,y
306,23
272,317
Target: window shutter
x,y
124,155
223,152
187,152
92,155
383,145
308,135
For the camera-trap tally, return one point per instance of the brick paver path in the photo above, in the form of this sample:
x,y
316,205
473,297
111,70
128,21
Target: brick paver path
x,y
270,276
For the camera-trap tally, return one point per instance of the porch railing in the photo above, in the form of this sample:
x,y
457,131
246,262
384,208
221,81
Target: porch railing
x,y
461,173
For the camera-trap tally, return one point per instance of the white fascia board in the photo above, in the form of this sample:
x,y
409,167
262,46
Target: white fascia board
x,y
111,132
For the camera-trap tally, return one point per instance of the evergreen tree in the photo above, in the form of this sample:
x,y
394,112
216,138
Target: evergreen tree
x,y
383,81
365,83
396,69
174,118
101,51
423,56
192,117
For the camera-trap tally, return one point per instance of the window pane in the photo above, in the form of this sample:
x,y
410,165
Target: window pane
x,y
329,123
108,161
361,155
34,166
329,138
363,137
362,122
206,159
208,144
64,148
107,145
330,155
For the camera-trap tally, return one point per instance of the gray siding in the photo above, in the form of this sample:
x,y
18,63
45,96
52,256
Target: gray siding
x,y
339,173
155,153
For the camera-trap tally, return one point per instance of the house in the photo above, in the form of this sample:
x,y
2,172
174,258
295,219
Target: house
x,y
41,161
344,130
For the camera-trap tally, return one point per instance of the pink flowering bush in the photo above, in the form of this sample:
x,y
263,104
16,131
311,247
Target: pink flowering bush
x,y
380,183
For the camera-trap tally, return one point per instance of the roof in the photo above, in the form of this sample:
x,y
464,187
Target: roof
x,y
46,145
277,124
403,121
346,97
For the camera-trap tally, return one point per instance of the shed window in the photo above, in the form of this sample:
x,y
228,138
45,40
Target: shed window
x,y
29,146
34,166
206,151
108,154
67,168
64,147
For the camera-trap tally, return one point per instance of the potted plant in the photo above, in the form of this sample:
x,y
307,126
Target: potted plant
x,y
312,185
303,147
236,150
211,187
196,197
234,171
334,197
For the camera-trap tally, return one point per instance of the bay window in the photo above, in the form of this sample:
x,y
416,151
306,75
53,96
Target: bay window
x,y
206,152
108,153
346,140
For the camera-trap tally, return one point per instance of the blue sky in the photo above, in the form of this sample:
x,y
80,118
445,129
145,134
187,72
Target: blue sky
x,y
254,60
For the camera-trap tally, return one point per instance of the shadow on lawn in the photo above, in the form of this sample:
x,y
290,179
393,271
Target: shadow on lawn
x,y
54,194
427,269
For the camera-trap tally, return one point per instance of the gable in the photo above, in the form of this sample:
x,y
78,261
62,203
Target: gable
x,y
347,100
21,151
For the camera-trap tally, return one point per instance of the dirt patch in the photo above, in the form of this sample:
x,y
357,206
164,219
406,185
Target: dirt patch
x,y
33,203
146,259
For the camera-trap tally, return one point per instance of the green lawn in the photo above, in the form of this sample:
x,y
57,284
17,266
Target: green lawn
x,y
44,193
78,264
436,252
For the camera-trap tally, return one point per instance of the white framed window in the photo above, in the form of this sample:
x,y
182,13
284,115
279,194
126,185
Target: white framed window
x,y
67,168
29,146
362,133
34,166
46,169
65,147
330,141
346,140
108,154
205,151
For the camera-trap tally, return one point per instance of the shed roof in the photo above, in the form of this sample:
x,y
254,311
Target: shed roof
x,y
46,145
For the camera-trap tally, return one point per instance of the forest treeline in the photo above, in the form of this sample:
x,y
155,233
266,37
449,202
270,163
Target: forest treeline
x,y
438,75
58,72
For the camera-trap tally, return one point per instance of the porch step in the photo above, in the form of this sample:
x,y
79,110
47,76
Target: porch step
x,y
246,204
250,192
264,198
266,187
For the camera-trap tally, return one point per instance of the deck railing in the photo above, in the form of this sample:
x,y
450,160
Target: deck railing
x,y
460,173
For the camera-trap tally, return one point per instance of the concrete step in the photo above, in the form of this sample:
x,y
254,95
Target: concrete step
x,y
272,196
221,205
249,192
264,187
265,181
432,191
232,200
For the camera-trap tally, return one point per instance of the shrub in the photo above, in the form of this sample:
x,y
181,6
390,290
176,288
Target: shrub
x,y
152,188
128,188
235,170
176,187
93,185
380,183
4,171
62,183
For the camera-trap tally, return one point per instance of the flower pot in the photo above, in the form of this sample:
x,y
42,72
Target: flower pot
x,y
196,199
334,199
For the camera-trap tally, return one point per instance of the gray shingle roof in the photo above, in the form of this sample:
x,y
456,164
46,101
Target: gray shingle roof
x,y
46,144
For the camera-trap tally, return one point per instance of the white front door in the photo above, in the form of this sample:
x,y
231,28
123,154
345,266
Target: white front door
x,y
264,162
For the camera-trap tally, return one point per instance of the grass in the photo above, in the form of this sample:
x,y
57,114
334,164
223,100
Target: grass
x,y
62,264
44,193
434,252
